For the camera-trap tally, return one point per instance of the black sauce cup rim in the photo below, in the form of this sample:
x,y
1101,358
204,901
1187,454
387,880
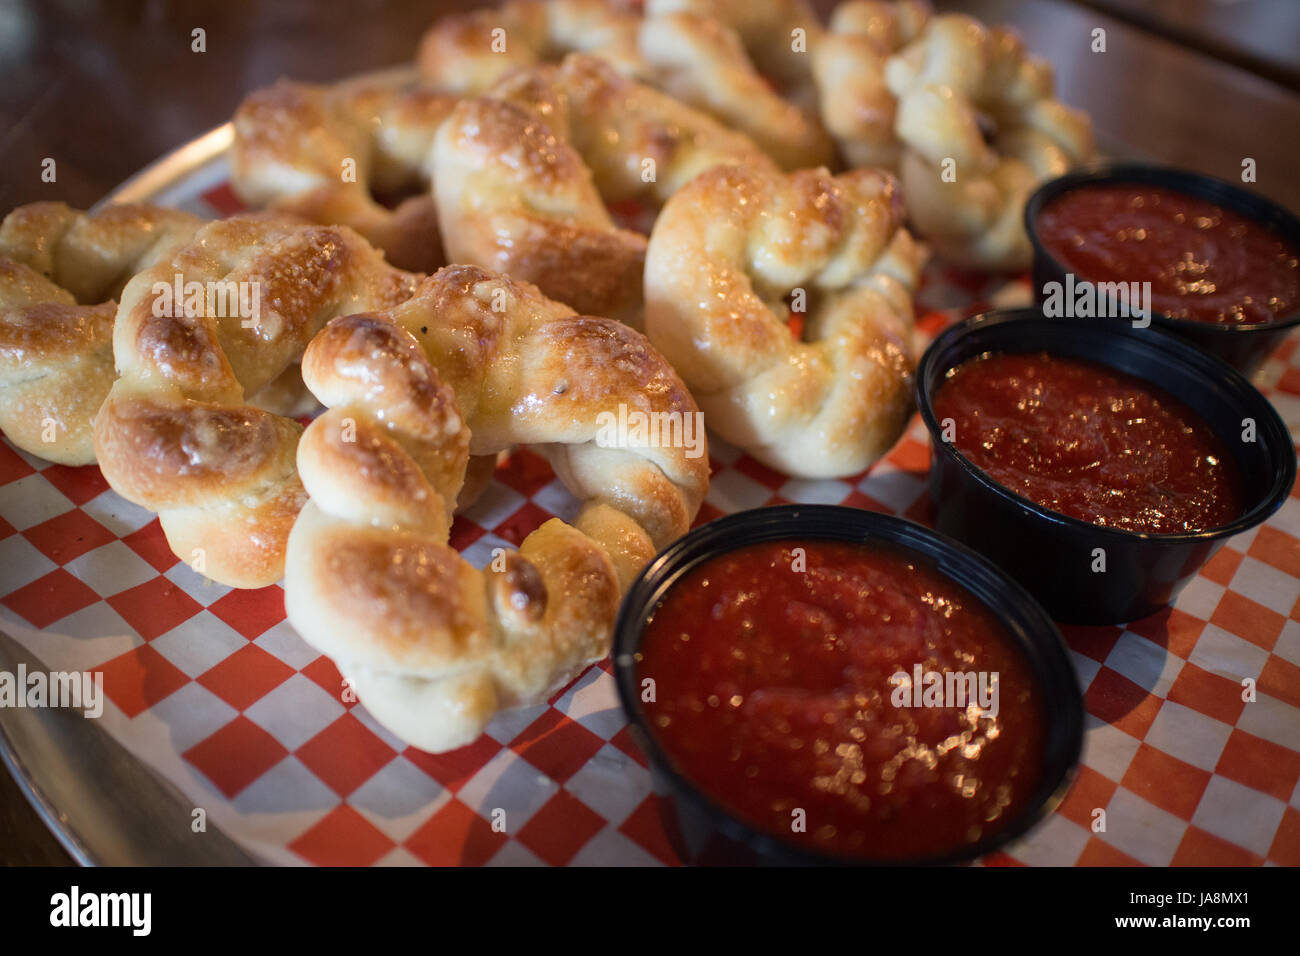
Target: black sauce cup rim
x,y
1024,618
1253,206
1166,348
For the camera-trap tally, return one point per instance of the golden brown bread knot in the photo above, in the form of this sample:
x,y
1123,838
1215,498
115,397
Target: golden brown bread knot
x,y
520,175
727,250
60,271
696,59
777,34
848,65
468,53
887,24
703,63
321,152
475,363
965,195
177,433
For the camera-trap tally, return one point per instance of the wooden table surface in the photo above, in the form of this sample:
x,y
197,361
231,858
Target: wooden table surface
x,y
1260,35
103,89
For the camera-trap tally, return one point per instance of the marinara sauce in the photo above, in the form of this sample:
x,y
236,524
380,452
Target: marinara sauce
x,y
1090,442
772,669
1204,262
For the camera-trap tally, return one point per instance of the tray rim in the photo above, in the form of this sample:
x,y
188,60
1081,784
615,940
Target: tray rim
x,y
171,168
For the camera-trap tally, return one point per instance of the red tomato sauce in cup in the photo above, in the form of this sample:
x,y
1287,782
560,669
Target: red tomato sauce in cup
x,y
1204,262
1090,442
777,682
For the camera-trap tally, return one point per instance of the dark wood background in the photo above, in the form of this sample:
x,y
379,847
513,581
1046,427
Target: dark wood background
x,y
105,87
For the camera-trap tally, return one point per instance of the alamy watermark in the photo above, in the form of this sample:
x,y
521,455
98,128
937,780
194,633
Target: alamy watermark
x,y
1081,299
948,689
75,690
133,911
633,428
220,299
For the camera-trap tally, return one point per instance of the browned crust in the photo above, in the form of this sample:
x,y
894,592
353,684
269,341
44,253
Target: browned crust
x,y
165,454
176,434
59,271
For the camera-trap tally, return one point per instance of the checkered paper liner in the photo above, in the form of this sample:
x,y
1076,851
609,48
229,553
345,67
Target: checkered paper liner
x,y
214,690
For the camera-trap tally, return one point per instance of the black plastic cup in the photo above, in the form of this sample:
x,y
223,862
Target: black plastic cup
x,y
1244,347
1053,555
701,830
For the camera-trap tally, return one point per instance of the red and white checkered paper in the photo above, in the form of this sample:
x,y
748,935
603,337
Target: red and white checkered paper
x,y
213,689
